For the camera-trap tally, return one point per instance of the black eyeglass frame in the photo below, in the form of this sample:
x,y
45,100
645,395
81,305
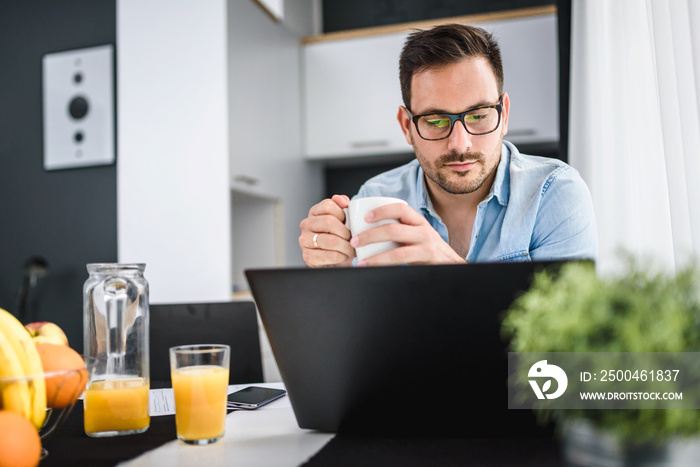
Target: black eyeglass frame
x,y
460,117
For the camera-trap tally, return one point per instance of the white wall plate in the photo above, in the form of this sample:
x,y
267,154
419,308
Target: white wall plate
x,y
78,108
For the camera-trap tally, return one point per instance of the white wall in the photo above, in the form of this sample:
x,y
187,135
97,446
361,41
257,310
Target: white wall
x,y
173,202
303,17
208,90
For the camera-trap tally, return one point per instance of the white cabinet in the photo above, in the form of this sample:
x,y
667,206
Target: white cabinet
x,y
352,94
272,186
531,76
263,61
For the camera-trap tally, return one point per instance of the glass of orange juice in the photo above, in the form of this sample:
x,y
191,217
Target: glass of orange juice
x,y
199,376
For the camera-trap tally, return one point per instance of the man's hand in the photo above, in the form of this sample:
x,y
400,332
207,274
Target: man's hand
x,y
324,239
420,243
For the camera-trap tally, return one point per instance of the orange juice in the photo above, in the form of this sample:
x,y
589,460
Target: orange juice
x,y
119,405
200,401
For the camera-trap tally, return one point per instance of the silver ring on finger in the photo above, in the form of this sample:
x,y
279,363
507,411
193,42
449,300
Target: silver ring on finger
x,y
315,241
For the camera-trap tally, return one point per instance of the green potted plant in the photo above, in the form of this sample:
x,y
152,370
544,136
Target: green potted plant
x,y
574,309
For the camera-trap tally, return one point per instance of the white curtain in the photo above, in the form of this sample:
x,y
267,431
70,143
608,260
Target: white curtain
x,y
635,125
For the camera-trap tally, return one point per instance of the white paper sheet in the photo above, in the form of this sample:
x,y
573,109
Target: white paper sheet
x,y
162,401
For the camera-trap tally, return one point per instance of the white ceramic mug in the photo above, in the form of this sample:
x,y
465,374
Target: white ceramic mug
x,y
355,221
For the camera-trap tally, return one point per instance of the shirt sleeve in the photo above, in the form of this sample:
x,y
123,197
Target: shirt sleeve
x,y
565,227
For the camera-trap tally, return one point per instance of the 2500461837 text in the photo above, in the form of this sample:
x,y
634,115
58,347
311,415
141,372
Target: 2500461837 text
x,y
629,375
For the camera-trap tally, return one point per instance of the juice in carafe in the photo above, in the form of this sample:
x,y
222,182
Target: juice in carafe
x,y
119,405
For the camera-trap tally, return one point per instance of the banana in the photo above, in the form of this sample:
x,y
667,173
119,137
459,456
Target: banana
x,y
26,351
14,394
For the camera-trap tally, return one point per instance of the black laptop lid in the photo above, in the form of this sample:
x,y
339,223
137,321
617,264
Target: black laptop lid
x,y
394,349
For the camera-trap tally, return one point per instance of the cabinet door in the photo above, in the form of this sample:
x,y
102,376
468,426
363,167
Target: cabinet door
x,y
531,76
352,92
352,95
264,102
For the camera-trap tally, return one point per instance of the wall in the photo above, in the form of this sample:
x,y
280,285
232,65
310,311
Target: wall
x,y
303,17
67,216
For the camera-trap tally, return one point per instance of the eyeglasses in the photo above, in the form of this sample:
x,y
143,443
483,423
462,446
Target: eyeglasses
x,y
479,121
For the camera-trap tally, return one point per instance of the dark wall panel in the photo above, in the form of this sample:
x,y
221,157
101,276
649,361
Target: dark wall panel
x,y
67,216
340,15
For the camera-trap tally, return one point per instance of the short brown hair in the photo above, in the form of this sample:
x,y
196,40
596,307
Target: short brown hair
x,y
445,44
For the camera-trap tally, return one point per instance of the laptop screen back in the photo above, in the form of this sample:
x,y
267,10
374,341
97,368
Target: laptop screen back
x,y
394,349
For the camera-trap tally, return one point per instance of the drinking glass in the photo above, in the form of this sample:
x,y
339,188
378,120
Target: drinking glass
x,y
199,375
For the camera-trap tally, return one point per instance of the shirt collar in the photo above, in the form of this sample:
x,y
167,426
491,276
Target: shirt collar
x,y
500,188
501,183
423,199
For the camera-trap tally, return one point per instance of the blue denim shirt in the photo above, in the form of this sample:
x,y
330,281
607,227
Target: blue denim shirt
x,y
538,208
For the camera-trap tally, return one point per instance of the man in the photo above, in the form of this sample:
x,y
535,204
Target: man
x,y
471,196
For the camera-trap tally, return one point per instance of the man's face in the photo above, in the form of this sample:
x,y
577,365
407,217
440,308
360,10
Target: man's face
x,y
461,163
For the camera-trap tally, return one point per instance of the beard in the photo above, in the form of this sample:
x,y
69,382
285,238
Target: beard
x,y
456,182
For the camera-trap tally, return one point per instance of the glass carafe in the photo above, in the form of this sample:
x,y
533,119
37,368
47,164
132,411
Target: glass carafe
x,y
115,328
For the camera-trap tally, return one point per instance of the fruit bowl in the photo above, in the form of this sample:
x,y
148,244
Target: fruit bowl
x,y
68,386
63,388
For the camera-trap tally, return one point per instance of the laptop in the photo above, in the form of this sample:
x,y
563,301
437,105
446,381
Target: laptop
x,y
395,350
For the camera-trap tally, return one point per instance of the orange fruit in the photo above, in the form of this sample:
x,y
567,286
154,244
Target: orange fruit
x,y
62,387
20,445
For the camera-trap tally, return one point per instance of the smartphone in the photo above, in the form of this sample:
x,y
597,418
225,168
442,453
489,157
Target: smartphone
x,y
253,397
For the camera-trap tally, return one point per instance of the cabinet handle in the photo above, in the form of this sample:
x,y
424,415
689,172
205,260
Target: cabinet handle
x,y
522,132
246,179
369,144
